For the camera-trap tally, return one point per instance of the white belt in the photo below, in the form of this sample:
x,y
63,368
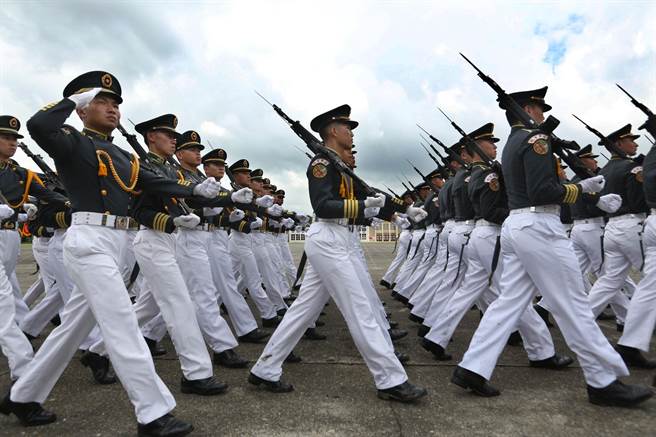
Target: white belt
x,y
483,222
106,220
337,221
652,211
543,209
590,221
640,216
465,222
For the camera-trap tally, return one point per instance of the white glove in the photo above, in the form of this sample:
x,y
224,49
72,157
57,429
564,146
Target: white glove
x,y
189,221
593,185
371,211
609,202
22,217
209,212
401,222
245,195
288,223
6,211
31,210
256,224
416,214
264,201
236,215
274,210
377,201
276,224
376,222
83,99
209,188
436,201
302,218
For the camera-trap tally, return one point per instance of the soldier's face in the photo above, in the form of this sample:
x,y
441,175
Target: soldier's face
x,y
536,112
438,182
489,148
242,178
189,156
8,145
343,134
590,163
279,200
257,185
101,114
212,169
423,193
407,200
628,146
162,142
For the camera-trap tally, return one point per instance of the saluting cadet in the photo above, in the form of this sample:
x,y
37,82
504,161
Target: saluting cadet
x,y
623,234
537,255
402,247
331,270
16,184
220,260
99,178
487,193
193,253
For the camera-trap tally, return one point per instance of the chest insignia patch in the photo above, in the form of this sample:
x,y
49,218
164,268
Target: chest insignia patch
x,y
319,170
637,171
492,180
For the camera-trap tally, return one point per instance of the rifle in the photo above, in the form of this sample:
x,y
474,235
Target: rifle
x,y
650,124
408,189
432,186
452,155
302,151
605,140
547,127
317,147
473,146
650,140
392,191
50,176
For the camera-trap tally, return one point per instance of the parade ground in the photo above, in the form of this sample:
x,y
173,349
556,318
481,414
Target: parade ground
x,y
335,396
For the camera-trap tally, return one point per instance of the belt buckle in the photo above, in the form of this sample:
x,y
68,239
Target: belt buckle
x,y
121,222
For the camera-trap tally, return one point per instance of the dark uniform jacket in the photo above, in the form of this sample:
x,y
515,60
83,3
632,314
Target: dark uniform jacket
x,y
463,209
446,201
582,209
433,210
487,193
624,177
649,177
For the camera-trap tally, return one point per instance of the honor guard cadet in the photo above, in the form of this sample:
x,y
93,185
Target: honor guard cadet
x,y
623,247
538,256
402,247
331,271
16,184
100,179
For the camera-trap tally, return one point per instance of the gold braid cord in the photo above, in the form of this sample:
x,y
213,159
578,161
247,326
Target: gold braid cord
x,y
134,174
30,176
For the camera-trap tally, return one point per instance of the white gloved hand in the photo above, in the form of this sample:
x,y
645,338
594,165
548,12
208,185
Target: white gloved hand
x,y
376,201
209,212
188,221
401,222
376,222
274,210
609,202
6,211
593,185
31,210
209,188
371,211
22,217
83,99
302,218
236,215
288,223
264,201
276,224
245,195
416,214
256,224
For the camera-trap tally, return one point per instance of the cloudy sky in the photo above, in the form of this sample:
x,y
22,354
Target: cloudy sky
x,y
392,61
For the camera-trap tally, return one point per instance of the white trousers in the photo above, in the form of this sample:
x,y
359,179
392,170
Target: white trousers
x,y
225,282
271,244
267,270
622,239
241,251
402,245
456,267
537,255
93,255
11,257
412,260
14,344
193,259
641,318
331,273
535,334
289,267
36,289
40,251
427,250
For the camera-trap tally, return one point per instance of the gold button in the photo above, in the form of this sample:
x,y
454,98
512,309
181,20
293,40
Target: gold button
x,y
107,212
103,192
21,182
166,208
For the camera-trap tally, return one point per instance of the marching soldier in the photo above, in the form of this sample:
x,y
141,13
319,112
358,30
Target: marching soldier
x,y
402,247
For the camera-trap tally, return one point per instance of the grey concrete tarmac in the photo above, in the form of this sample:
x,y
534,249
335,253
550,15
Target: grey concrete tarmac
x,y
335,394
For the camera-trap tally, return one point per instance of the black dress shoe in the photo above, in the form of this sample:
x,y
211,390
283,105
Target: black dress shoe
x,y
100,368
230,359
289,299
165,426
255,336
404,300
28,413
55,321
385,284
410,306
296,287
556,362
405,392
155,348
394,294
416,319
619,327
633,357
606,315
515,339
403,358
293,358
473,381
281,312
618,394
272,386
394,285
437,350
204,387
397,334
28,336
423,330
544,314
271,323
319,323
313,334
393,324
